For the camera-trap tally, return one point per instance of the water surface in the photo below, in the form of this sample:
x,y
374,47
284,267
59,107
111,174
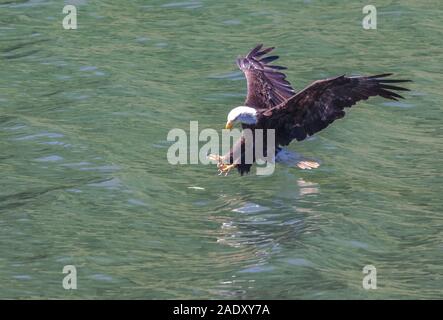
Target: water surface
x,y
84,116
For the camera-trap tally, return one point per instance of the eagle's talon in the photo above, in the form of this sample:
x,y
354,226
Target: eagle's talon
x,y
308,165
224,168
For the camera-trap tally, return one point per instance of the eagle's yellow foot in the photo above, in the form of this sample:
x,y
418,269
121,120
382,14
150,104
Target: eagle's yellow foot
x,y
224,168
308,165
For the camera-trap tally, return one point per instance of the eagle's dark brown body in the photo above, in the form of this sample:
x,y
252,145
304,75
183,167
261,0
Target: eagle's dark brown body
x,y
297,115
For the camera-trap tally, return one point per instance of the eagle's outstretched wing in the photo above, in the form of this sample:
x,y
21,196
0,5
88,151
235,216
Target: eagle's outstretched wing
x,y
267,87
323,102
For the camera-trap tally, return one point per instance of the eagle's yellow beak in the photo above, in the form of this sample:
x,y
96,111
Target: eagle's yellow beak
x,y
229,125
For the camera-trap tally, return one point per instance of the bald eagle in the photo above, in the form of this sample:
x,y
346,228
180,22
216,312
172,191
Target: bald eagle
x,y
272,103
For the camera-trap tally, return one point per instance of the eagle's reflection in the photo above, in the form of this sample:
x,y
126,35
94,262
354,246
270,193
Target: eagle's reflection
x,y
258,232
265,227
307,187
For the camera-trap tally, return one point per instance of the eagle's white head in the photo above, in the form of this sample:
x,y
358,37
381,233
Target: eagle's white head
x,y
242,114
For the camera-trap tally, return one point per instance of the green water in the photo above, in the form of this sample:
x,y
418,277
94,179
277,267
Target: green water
x,y
85,180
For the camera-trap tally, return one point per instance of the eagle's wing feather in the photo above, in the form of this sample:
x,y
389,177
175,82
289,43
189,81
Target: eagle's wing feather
x,y
267,87
322,102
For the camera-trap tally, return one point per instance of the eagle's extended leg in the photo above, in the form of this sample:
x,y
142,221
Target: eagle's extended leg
x,y
215,157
